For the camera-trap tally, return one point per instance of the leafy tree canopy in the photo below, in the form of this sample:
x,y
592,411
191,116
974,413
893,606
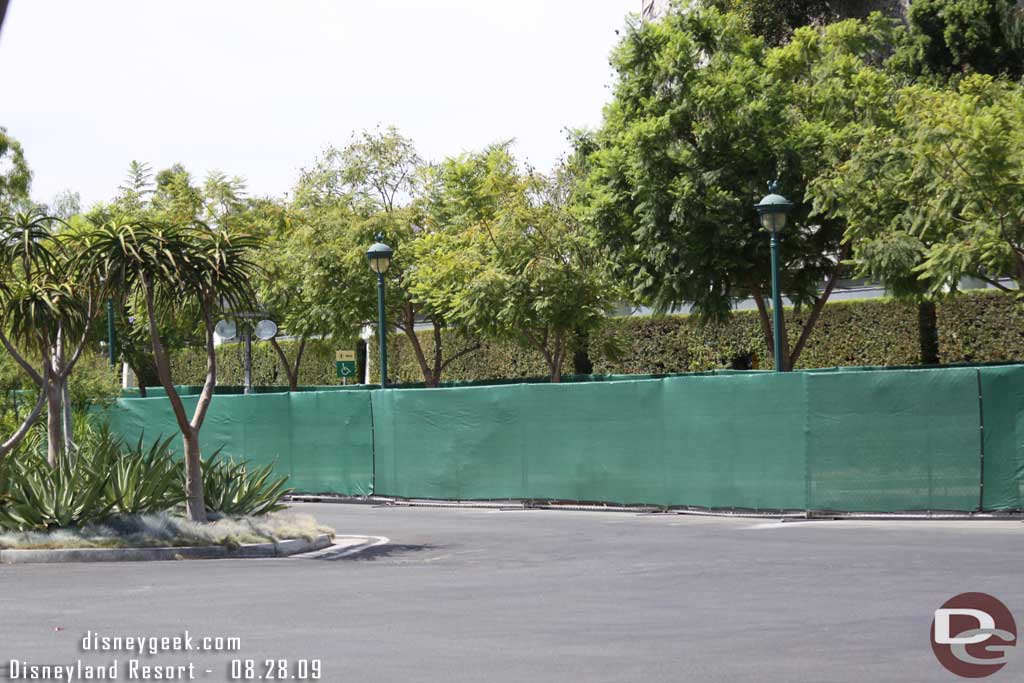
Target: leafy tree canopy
x,y
947,37
703,114
940,194
504,256
15,175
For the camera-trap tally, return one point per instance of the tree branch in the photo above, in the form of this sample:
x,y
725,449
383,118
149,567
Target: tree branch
x,y
819,304
460,354
16,438
284,361
995,283
762,314
20,360
203,404
163,365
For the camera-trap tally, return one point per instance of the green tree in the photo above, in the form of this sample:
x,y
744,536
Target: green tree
x,y
776,20
223,197
15,175
134,194
940,195
947,37
703,114
175,198
289,284
49,306
171,265
342,204
506,257
171,195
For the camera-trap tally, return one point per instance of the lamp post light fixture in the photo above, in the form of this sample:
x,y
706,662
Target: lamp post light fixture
x,y
379,256
773,209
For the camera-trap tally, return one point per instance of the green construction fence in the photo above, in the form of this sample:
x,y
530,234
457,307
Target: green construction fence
x,y
859,441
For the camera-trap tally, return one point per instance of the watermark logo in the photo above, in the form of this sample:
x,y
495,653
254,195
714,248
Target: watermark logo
x,y
972,635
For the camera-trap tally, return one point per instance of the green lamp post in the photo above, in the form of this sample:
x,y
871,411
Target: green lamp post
x,y
773,209
380,260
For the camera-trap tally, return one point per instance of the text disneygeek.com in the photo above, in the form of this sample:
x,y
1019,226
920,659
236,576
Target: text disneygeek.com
x,y
139,666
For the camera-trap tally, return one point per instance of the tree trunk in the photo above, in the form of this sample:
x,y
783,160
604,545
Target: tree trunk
x,y
581,362
362,358
39,379
438,353
298,364
70,449
54,421
189,430
291,375
928,332
409,327
819,306
195,501
554,357
765,320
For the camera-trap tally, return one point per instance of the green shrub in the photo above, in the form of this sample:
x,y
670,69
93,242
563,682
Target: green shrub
x,y
145,480
972,327
94,382
871,332
110,479
981,327
232,488
493,360
188,366
37,497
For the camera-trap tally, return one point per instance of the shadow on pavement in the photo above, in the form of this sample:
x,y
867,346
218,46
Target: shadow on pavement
x,y
385,551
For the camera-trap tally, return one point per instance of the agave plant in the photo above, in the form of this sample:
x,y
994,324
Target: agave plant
x,y
35,496
236,488
144,480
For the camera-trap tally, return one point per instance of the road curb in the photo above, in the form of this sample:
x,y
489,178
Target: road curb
x,y
217,552
346,546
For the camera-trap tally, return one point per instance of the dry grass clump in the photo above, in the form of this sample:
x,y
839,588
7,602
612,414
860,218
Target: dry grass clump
x,y
168,530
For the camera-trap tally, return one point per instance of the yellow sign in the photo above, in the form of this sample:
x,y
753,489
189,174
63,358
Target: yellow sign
x,y
342,356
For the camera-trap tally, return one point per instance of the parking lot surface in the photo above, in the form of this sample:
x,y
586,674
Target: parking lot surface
x,y
531,595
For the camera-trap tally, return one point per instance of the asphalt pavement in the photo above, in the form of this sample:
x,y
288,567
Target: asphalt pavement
x,y
531,595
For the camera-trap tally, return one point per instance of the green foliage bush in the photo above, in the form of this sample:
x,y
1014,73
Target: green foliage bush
x,y
36,497
973,327
143,481
110,479
93,383
872,332
981,327
231,488
188,366
493,360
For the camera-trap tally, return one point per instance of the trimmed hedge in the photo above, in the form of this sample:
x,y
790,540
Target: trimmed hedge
x,y
188,366
972,327
981,327
494,360
855,333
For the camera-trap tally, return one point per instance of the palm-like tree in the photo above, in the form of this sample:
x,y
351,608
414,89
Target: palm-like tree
x,y
171,265
47,308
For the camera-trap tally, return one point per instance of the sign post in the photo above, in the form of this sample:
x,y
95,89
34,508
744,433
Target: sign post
x,y
345,365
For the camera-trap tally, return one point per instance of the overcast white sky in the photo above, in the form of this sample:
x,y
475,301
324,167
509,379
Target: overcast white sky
x,y
259,87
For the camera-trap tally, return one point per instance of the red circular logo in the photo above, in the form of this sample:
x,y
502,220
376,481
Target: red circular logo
x,y
973,634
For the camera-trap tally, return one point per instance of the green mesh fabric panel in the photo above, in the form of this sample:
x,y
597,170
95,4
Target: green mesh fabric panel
x,y
322,440
870,440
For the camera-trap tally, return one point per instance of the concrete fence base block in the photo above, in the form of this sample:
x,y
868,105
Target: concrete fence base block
x,y
215,552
